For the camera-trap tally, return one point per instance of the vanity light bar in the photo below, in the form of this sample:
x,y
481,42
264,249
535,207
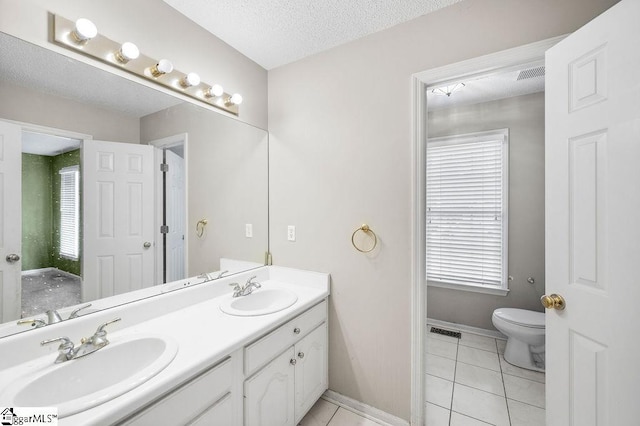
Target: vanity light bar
x,y
126,56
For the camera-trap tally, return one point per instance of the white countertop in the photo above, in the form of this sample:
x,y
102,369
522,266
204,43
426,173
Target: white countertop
x,y
203,332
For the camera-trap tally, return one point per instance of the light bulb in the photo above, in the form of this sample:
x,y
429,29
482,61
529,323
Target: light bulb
x,y
236,99
84,31
191,79
164,66
214,91
128,52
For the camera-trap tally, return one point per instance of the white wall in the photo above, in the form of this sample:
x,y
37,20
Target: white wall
x,y
340,155
159,31
35,107
228,186
524,117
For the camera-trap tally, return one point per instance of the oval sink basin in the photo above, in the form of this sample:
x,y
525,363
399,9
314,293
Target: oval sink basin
x,y
79,384
260,302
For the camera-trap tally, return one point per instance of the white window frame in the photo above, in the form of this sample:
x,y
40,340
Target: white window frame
x,y
70,247
493,135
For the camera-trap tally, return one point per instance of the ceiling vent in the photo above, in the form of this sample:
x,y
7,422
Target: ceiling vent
x,y
531,73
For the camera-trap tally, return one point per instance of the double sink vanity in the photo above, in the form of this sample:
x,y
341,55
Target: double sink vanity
x,y
209,355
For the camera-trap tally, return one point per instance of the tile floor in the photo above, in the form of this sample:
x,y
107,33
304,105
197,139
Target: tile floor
x,y
469,383
325,413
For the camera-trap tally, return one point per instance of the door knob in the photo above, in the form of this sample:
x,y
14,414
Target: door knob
x,y
147,244
555,301
11,258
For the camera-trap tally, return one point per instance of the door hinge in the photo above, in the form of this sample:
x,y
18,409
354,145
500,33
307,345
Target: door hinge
x,y
164,229
164,167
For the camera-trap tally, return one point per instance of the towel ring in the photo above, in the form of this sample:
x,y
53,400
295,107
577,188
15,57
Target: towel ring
x,y
200,227
364,228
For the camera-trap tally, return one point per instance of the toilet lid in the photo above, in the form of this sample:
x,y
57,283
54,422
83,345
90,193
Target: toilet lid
x,y
521,317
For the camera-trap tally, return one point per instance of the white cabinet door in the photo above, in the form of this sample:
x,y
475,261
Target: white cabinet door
x,y
592,228
269,394
10,220
311,370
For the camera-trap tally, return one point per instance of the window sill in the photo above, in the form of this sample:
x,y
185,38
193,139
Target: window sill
x,y
472,288
66,257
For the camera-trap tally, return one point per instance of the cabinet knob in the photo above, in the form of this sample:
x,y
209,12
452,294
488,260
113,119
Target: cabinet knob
x,y
296,330
300,355
293,361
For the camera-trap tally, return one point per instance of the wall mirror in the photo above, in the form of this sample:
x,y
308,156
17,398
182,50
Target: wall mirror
x,y
99,219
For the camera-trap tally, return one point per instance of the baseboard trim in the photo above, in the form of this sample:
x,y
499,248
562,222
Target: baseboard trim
x,y
38,271
469,329
363,409
49,269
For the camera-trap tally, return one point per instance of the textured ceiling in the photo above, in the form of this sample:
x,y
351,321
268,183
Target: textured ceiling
x,y
277,32
49,72
41,144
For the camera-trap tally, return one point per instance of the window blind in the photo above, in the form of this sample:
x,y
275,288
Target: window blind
x,y
69,211
467,210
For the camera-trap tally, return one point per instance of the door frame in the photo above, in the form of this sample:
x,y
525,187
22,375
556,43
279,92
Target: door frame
x,y
168,142
420,81
52,131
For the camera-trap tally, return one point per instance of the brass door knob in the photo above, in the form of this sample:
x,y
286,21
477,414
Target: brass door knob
x,y
555,301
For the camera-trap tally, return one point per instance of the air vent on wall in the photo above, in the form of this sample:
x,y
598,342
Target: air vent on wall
x,y
531,73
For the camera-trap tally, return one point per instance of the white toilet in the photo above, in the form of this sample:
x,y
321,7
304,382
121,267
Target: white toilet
x,y
525,332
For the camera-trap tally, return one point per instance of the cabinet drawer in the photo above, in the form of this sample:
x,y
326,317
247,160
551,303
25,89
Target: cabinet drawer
x,y
219,414
190,399
262,351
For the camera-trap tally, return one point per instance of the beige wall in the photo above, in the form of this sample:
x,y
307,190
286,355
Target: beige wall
x,y
340,155
228,183
35,107
159,31
524,117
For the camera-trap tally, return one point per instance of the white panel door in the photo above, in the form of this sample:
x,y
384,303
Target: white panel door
x,y
175,213
592,222
118,219
10,220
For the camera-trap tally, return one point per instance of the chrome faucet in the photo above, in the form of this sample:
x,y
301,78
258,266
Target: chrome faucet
x,y
37,323
95,342
246,289
53,317
206,276
67,351
74,314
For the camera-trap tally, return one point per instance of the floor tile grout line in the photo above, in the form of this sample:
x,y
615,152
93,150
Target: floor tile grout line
x,y
455,371
333,415
471,417
502,376
506,400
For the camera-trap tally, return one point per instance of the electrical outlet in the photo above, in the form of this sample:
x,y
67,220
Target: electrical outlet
x,y
248,230
291,233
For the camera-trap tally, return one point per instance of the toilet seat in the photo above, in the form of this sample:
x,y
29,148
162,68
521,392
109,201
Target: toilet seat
x,y
521,317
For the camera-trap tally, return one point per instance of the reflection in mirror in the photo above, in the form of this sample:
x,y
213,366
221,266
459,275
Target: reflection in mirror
x,y
126,191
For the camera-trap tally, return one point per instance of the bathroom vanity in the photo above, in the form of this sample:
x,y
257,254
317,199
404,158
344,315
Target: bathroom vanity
x,y
190,361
